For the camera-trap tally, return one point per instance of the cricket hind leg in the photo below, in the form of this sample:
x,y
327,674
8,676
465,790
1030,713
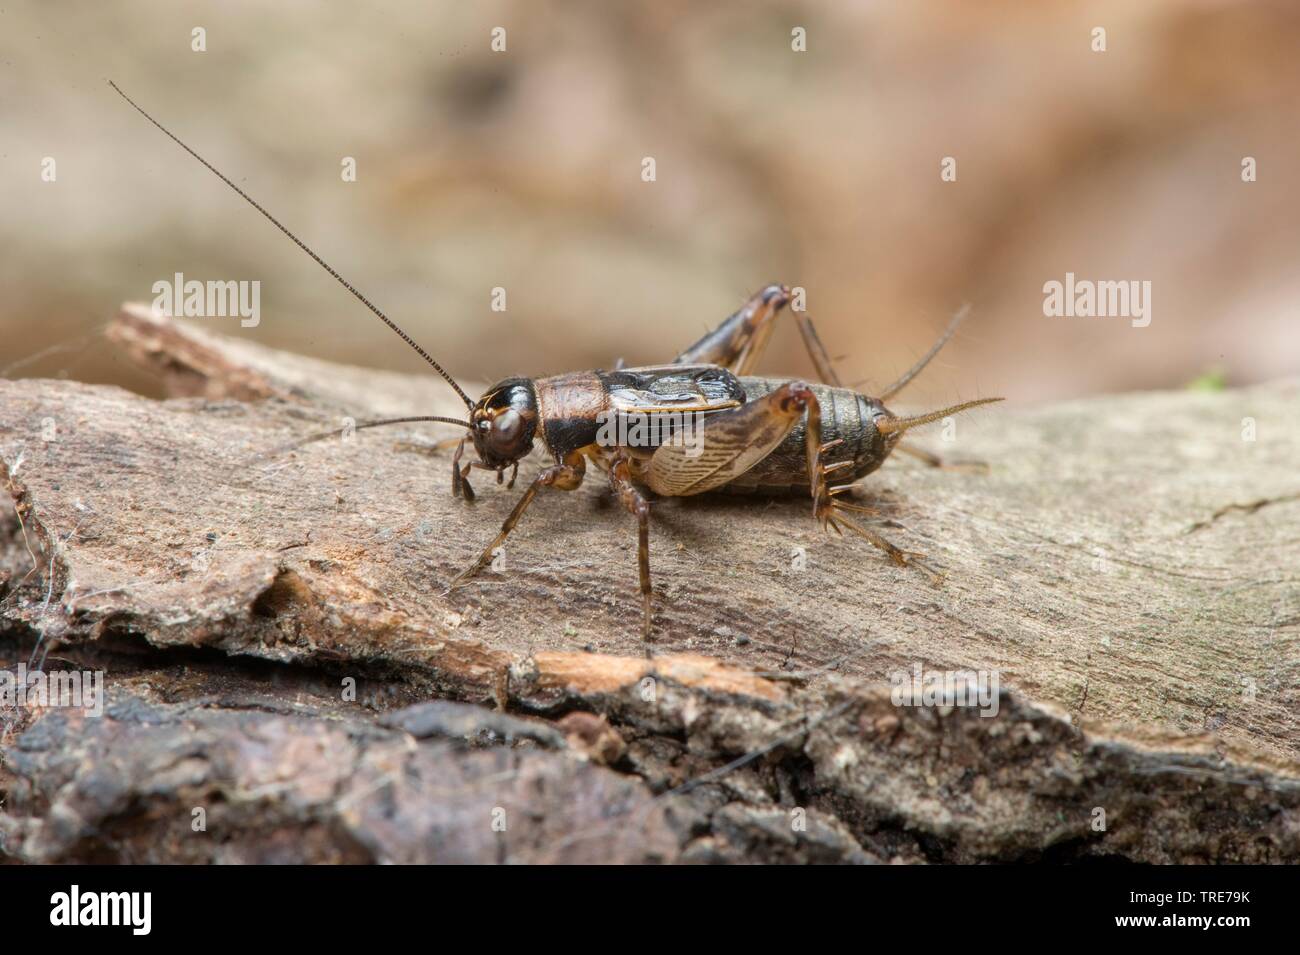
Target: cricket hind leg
x,y
833,513
636,504
565,476
735,441
739,342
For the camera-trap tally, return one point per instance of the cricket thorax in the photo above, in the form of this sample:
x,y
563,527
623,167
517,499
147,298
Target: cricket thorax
x,y
634,408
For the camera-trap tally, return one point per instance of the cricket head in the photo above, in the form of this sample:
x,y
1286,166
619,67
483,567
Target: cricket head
x,y
503,423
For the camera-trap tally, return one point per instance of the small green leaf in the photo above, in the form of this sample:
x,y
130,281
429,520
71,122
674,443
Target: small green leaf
x,y
1212,379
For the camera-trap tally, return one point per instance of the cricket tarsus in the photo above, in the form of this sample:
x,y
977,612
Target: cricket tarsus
x,y
302,245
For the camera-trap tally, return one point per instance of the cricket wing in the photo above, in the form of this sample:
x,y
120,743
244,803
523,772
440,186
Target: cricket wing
x,y
729,444
672,388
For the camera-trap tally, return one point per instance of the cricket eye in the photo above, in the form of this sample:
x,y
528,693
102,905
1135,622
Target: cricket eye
x,y
507,425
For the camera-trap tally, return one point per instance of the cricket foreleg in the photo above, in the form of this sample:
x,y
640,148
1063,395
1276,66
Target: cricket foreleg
x,y
565,477
630,496
460,486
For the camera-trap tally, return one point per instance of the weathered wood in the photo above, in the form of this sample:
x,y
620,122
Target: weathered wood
x,y
1129,565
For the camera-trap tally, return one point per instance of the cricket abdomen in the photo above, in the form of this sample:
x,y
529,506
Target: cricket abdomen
x,y
845,415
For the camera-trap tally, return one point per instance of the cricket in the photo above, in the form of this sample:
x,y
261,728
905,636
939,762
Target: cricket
x,y
751,434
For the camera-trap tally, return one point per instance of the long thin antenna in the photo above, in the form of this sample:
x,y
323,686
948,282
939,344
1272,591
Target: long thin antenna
x,y
916,369
326,435
302,245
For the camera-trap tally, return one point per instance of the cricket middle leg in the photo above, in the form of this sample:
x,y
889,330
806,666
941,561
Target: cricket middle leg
x,y
636,504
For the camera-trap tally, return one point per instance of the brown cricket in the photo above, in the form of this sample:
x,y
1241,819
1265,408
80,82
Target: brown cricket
x,y
700,424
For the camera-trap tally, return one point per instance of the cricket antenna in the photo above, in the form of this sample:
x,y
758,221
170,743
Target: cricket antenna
x,y
916,369
339,432
302,245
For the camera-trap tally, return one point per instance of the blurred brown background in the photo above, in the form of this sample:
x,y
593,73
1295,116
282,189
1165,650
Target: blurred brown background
x,y
522,169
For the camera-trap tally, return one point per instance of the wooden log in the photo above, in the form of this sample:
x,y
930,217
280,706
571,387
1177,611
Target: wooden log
x,y
1128,568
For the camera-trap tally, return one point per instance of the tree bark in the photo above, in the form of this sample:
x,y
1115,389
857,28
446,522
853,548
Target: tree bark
x,y
1127,567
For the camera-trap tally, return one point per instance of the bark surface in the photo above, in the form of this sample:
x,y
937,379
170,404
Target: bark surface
x,y
283,659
